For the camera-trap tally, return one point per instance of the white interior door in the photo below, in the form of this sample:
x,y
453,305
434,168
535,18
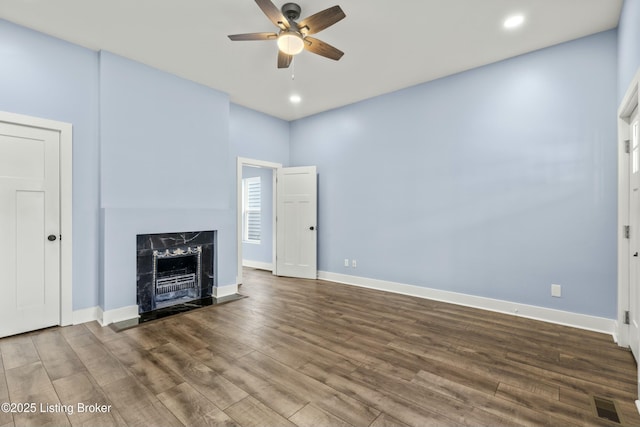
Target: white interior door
x,y
30,228
634,236
296,222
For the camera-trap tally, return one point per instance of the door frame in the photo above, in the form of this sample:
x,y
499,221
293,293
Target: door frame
x,y
65,131
240,163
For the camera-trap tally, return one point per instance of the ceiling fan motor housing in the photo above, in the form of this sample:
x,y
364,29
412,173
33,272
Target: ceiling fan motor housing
x,y
291,11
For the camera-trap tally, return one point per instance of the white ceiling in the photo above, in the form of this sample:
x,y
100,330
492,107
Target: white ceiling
x,y
388,45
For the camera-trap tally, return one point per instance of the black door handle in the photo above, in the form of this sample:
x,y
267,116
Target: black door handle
x,y
51,237
636,254
312,228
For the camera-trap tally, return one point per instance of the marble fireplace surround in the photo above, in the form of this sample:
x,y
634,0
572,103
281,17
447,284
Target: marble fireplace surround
x,y
198,245
118,270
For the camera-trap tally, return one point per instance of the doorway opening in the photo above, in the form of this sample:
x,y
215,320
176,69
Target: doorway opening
x,y
257,217
294,219
264,252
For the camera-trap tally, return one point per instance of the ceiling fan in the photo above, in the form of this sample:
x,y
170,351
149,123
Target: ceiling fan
x,y
294,37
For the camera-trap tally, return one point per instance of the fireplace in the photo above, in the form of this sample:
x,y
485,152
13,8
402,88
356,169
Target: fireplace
x,y
174,268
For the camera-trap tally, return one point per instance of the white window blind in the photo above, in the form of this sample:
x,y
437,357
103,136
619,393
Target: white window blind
x,y
251,194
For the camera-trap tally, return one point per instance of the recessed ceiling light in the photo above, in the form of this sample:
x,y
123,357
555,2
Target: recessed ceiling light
x,y
513,21
295,99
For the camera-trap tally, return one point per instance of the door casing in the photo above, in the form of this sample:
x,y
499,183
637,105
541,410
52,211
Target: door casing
x,y
629,104
66,184
631,321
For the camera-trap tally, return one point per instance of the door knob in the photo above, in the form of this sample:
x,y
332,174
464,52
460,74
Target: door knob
x,y
51,237
312,228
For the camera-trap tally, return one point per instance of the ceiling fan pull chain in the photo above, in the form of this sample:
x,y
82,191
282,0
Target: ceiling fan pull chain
x,y
293,68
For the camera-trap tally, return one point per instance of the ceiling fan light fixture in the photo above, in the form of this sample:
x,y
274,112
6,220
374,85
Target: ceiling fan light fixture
x,y
290,42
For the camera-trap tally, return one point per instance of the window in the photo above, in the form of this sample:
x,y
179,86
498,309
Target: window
x,y
251,195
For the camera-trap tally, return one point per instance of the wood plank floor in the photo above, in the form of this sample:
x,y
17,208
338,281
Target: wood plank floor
x,y
313,353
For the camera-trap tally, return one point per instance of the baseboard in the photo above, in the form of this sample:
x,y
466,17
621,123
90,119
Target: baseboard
x,y
225,291
257,264
616,329
117,315
104,317
86,315
566,318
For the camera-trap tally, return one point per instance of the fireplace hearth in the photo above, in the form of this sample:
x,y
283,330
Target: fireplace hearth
x,y
174,268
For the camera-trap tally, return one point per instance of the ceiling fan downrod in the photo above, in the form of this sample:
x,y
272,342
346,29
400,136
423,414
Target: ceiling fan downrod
x,y
291,11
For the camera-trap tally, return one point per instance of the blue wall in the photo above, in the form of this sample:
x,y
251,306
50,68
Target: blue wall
x,y
48,78
495,182
628,45
164,167
152,153
164,140
258,136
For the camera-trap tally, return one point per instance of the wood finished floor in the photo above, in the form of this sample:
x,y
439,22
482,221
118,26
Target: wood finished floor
x,y
313,353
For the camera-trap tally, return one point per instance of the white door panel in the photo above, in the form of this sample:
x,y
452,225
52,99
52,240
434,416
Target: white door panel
x,y
29,212
296,222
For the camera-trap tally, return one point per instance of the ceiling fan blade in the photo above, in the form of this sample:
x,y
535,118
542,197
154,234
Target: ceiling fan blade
x,y
253,36
273,13
284,60
321,48
321,20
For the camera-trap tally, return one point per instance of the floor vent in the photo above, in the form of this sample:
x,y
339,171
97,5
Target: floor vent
x,y
606,409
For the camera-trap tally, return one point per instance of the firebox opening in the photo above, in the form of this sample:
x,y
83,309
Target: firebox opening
x,y
177,278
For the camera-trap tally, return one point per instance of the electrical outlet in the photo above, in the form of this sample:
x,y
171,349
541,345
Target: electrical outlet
x,y
556,291
346,262
354,264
